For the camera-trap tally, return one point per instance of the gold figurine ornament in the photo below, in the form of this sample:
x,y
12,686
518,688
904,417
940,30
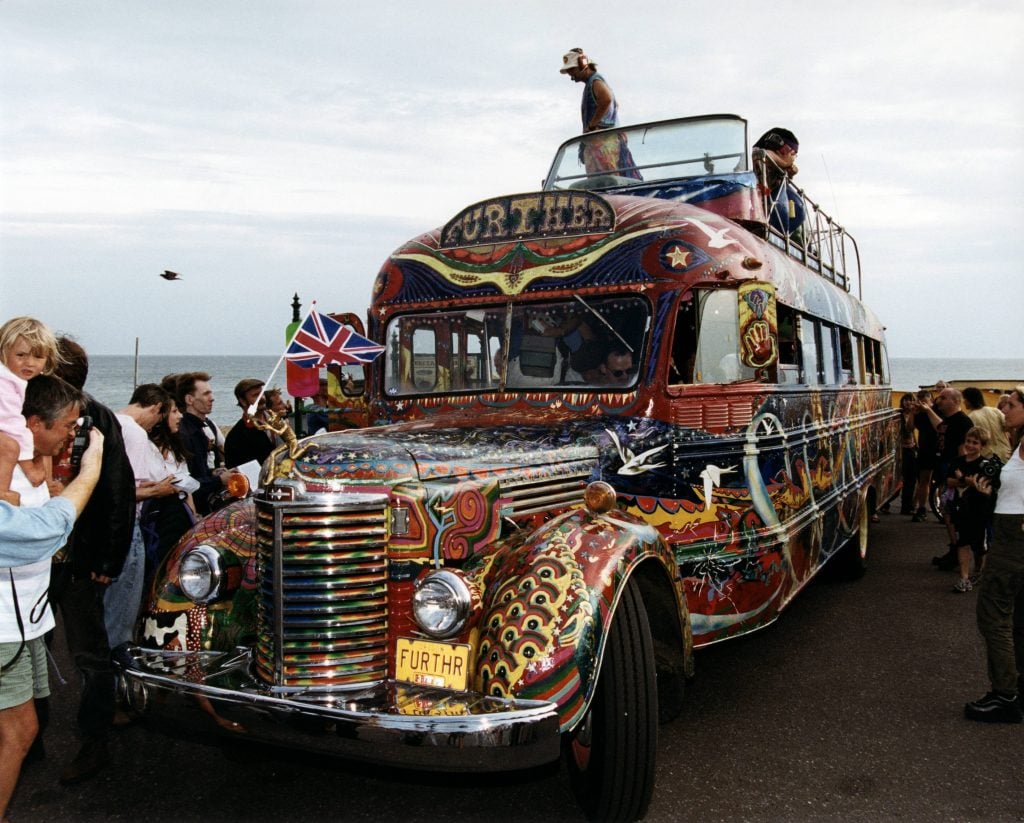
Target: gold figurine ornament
x,y
275,423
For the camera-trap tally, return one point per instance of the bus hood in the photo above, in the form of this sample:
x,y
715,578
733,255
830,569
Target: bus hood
x,y
423,452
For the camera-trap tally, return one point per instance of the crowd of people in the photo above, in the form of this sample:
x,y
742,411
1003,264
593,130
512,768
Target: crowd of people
x,y
948,440
91,503
963,459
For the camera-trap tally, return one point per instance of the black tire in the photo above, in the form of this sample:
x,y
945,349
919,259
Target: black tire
x,y
851,561
610,755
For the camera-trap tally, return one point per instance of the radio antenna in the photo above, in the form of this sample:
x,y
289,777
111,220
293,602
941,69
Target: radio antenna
x,y
828,177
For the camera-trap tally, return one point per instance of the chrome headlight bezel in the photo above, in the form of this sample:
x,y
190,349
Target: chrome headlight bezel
x,y
441,603
200,574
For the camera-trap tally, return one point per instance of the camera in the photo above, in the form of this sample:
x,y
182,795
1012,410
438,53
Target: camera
x,y
81,440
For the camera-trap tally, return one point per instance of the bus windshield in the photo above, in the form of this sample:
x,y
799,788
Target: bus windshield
x,y
579,342
651,153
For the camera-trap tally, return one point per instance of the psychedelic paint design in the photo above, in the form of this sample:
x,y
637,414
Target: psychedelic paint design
x,y
604,422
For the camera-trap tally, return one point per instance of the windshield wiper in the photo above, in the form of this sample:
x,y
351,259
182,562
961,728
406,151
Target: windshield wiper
x,y
611,328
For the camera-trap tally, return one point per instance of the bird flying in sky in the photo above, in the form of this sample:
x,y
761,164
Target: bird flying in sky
x,y
170,275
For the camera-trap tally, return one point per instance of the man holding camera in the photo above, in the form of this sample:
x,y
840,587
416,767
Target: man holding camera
x,y
29,535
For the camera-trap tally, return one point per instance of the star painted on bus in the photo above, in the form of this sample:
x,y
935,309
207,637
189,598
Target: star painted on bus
x,y
677,255
678,258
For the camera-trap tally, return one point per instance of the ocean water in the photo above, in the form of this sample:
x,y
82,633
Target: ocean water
x,y
112,377
910,373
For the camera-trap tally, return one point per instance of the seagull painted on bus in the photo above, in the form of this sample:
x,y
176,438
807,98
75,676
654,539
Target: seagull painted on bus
x,y
170,275
635,463
716,237
712,476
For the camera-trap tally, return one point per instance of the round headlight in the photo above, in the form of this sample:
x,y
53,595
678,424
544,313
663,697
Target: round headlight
x,y
200,573
441,603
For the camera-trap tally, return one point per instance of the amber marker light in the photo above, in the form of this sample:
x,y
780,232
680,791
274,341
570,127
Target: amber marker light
x,y
599,497
751,263
237,485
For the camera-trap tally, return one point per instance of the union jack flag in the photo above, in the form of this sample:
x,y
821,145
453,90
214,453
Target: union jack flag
x,y
322,340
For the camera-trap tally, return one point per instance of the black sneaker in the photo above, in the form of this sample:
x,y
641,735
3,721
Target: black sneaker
x,y
995,708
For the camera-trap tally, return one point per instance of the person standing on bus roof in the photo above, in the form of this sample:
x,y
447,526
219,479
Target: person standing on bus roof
x,y
598,109
774,157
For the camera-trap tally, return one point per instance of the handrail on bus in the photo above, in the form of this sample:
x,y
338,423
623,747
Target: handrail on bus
x,y
704,159
820,243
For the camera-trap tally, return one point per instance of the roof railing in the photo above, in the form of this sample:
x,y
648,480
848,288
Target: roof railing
x,y
819,242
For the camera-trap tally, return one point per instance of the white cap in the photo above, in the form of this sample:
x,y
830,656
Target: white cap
x,y
574,59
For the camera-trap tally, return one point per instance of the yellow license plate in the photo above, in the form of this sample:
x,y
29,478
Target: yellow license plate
x,y
432,663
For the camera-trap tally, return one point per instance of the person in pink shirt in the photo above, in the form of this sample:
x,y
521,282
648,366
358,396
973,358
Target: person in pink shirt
x,y
27,348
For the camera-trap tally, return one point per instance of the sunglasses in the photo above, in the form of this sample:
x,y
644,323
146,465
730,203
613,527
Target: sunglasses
x,y
618,372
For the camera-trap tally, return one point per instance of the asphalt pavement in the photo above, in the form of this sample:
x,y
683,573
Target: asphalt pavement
x,y
850,707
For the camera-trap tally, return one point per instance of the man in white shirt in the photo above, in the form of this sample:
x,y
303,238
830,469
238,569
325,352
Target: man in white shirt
x,y
121,602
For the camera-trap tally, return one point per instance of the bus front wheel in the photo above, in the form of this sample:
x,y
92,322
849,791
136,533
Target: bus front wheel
x,y
610,755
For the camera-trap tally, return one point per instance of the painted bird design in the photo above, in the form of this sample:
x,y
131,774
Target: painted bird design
x,y
635,463
717,238
712,476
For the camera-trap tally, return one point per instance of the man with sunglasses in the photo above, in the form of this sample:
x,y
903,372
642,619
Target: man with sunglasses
x,y
617,368
774,158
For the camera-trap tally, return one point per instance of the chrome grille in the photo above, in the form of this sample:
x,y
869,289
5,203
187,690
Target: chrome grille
x,y
322,592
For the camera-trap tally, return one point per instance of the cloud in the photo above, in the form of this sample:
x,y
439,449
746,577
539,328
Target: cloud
x,y
266,148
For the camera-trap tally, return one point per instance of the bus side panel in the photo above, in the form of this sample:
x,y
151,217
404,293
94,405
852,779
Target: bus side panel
x,y
758,509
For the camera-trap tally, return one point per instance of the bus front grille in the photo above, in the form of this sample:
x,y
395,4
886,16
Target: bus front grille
x,y
322,593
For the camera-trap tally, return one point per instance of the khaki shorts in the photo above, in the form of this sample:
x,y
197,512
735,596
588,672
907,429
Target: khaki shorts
x,y
25,679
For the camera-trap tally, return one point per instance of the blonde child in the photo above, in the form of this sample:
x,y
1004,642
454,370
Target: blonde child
x,y
27,348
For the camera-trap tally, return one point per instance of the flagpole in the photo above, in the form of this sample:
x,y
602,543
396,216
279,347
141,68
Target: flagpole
x,y
252,409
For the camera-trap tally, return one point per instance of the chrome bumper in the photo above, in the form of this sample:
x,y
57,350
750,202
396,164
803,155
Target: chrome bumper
x,y
390,722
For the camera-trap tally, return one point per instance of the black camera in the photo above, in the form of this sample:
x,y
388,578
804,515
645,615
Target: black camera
x,y
81,440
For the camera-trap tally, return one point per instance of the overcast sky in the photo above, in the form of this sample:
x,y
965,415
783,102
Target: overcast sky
x,y
267,148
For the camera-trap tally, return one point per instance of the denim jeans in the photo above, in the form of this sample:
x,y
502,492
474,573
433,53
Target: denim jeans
x,y
123,598
1001,603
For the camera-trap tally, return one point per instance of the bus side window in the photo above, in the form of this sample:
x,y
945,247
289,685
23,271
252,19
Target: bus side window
x,y
789,346
810,345
847,357
718,358
684,344
828,353
868,360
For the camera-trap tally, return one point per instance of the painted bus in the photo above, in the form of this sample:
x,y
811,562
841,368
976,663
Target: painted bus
x,y
615,420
